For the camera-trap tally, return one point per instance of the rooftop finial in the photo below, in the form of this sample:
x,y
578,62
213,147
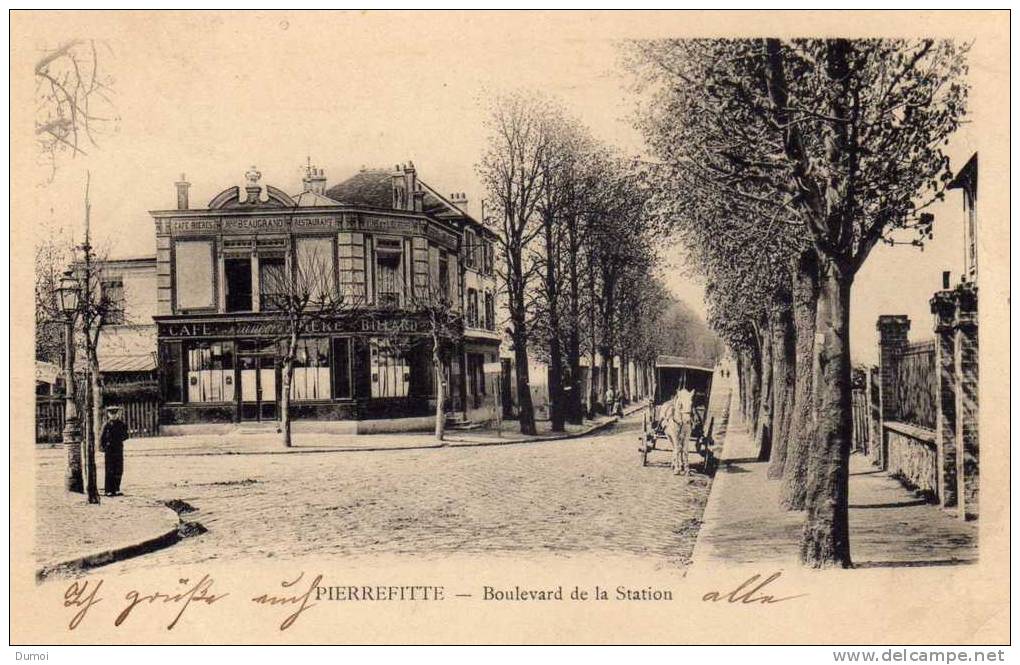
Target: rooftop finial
x,y
253,176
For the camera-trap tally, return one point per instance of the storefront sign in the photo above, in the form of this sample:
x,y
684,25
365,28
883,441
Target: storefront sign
x,y
318,222
374,223
228,329
177,226
255,224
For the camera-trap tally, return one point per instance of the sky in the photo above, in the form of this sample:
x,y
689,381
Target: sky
x,y
211,95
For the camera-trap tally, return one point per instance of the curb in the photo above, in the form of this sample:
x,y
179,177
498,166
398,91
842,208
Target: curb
x,y
119,553
448,442
469,443
466,443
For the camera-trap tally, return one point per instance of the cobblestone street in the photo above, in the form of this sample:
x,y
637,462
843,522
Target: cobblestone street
x,y
588,494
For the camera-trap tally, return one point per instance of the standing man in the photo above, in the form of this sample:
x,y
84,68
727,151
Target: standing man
x,y
111,442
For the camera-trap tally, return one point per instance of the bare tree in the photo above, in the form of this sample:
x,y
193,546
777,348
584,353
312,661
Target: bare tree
x,y
52,256
73,95
433,300
511,170
300,293
96,310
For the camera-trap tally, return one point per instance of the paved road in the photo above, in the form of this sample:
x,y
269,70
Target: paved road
x,y
588,494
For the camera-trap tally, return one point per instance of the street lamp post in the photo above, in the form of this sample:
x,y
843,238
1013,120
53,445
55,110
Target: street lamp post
x,y
68,292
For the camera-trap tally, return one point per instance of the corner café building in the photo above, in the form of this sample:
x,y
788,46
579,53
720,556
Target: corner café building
x,y
218,336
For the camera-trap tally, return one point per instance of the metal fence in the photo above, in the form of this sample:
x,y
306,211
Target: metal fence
x,y
49,419
140,416
917,385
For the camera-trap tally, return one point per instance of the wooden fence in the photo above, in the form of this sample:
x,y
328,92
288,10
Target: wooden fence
x,y
862,419
140,416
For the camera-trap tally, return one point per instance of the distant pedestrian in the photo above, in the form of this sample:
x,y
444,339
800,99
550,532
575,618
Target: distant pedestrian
x,y
111,442
610,401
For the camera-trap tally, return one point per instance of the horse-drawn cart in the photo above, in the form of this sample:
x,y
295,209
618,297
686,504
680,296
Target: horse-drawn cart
x,y
653,430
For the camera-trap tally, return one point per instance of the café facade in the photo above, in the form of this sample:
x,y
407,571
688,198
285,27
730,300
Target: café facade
x,y
220,335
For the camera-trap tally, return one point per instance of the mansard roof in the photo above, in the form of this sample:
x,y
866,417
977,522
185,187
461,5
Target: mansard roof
x,y
374,188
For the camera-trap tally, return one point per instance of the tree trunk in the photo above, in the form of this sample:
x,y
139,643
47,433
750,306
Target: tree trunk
x,y
763,425
826,539
437,364
624,378
607,374
94,428
525,406
784,358
556,409
805,304
593,387
575,413
287,379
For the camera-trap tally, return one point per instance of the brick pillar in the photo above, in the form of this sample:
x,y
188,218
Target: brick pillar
x,y
892,341
967,400
943,306
874,416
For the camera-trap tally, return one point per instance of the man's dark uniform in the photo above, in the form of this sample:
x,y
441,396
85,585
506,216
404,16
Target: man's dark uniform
x,y
115,432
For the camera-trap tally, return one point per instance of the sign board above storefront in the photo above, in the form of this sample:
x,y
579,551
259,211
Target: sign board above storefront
x,y
291,223
275,328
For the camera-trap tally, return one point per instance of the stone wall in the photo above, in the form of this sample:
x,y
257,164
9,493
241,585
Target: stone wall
x,y
942,461
911,457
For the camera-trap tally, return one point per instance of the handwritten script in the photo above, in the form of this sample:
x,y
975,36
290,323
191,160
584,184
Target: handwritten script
x,y
750,592
289,600
199,592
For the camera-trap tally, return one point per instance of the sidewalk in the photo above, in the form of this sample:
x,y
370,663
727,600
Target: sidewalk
x,y
72,534
889,526
316,442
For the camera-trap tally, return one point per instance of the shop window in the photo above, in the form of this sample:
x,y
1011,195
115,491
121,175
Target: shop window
x,y
487,257
342,368
476,378
113,301
444,276
472,308
490,311
193,274
316,268
171,369
311,379
470,249
391,373
351,248
389,272
274,287
237,273
210,372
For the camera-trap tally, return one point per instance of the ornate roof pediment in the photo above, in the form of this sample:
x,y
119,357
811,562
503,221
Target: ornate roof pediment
x,y
231,198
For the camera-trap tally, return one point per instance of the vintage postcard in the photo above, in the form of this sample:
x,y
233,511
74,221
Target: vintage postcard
x,y
394,327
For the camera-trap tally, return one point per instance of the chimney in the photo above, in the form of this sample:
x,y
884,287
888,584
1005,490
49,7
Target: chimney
x,y
314,180
460,200
182,193
416,196
400,197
